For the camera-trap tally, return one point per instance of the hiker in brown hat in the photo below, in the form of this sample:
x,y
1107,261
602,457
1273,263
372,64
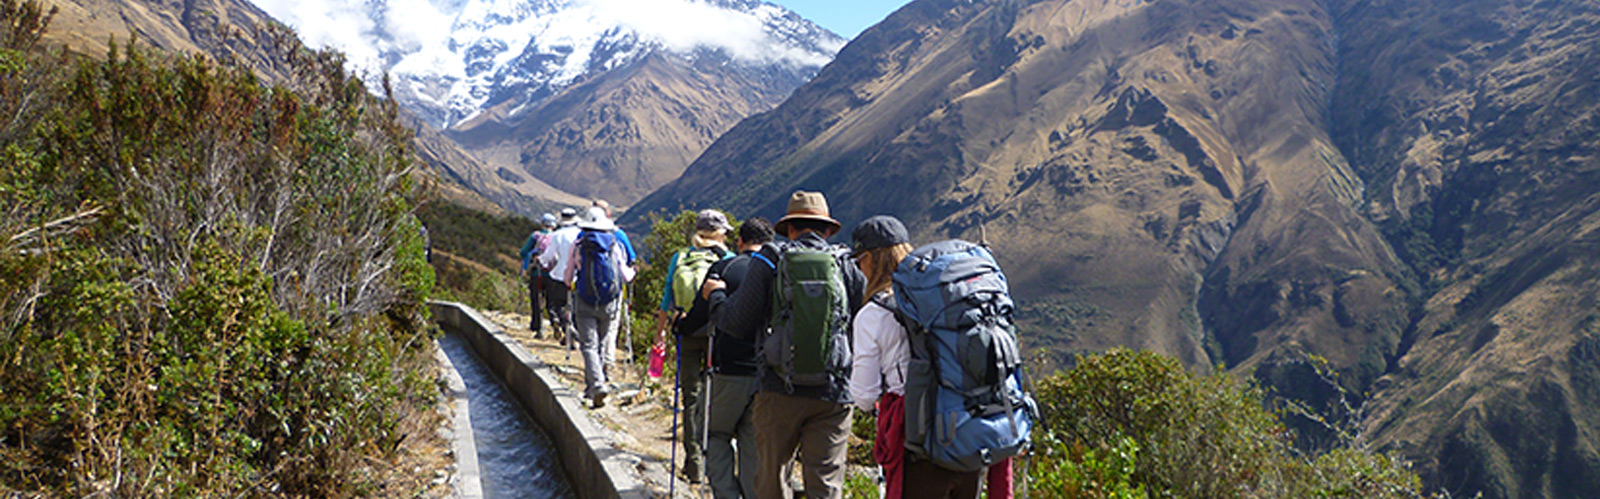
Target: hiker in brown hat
x,y
797,303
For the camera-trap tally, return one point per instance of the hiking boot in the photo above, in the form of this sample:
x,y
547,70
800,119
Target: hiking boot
x,y
599,401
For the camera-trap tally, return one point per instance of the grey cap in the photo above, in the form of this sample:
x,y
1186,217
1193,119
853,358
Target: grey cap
x,y
711,220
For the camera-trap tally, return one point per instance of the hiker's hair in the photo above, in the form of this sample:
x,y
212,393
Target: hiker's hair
x,y
756,230
804,224
880,270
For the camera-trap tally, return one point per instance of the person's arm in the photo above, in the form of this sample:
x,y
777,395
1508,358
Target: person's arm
x,y
526,252
748,308
627,246
664,311
866,378
855,285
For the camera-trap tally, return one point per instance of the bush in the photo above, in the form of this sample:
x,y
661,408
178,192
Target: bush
x,y
213,286
1123,421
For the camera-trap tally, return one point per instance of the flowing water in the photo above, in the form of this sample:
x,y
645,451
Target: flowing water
x,y
515,456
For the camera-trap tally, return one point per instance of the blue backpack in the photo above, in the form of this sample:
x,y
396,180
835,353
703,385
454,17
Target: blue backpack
x,y
597,274
965,404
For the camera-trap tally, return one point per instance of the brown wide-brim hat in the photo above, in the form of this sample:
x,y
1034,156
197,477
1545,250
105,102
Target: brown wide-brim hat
x,y
807,206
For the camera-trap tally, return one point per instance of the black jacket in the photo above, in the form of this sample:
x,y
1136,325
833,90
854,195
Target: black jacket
x,y
750,307
730,355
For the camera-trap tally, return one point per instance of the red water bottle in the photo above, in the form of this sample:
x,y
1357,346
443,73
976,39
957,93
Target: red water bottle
x,y
658,359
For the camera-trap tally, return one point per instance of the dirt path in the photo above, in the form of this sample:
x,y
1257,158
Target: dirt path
x,y
639,411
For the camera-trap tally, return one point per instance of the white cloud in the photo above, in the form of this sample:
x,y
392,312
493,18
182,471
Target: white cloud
x,y
328,23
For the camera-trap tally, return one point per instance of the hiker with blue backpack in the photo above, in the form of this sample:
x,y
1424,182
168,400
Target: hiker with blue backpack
x,y
596,271
797,300
938,324
882,357
685,273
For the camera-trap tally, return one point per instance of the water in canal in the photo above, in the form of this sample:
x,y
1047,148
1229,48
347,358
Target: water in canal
x,y
515,456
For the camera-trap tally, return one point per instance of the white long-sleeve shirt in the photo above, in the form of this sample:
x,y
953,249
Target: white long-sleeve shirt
x,y
554,256
881,356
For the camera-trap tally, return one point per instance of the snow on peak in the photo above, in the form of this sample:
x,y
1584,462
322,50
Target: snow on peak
x,y
454,58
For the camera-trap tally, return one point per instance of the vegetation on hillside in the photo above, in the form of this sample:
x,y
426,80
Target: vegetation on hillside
x,y
1137,424
213,286
475,255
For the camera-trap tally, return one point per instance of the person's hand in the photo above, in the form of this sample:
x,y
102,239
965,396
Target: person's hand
x,y
711,285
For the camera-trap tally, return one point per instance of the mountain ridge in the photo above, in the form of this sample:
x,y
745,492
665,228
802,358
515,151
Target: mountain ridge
x,y
1401,190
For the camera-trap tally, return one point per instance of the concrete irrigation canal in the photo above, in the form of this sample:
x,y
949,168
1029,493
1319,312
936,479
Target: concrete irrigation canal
x,y
519,432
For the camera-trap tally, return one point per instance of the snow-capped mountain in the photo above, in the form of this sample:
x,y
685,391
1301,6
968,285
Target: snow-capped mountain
x,y
479,69
525,51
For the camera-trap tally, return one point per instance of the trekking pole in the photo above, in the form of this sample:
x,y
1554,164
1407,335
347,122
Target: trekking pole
x,y
705,395
677,379
627,321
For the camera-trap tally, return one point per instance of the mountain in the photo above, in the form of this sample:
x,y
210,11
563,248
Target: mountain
x,y
599,98
237,32
1404,190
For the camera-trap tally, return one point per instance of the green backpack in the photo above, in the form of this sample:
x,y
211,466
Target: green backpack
x,y
690,274
809,343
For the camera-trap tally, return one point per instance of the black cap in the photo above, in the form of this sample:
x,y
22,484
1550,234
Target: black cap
x,y
877,232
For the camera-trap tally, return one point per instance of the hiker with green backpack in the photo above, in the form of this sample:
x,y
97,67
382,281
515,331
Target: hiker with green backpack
x,y
685,274
797,301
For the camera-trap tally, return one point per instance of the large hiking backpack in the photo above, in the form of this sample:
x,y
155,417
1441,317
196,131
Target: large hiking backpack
x,y
965,403
597,273
809,343
690,274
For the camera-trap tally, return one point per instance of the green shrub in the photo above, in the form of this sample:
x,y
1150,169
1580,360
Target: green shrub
x,y
214,286
1185,436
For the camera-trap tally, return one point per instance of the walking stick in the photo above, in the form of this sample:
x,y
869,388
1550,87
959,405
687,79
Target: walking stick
x,y
677,380
627,321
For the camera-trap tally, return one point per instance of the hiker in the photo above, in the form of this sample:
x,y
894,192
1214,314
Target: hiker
x,y
882,356
621,319
797,302
557,294
965,410
733,374
596,271
685,273
535,273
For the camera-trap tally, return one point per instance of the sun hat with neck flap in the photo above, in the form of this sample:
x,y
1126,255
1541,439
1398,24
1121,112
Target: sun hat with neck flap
x,y
805,205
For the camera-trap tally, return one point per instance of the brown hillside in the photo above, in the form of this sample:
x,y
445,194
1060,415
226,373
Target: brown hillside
x,y
1478,125
624,132
1404,189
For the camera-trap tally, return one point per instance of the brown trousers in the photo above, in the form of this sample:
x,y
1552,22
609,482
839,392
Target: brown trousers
x,y
820,429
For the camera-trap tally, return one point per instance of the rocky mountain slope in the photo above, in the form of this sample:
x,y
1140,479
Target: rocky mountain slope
x,y
1403,189
1477,125
600,98
237,32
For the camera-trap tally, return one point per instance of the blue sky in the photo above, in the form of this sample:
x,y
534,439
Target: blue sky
x,y
845,17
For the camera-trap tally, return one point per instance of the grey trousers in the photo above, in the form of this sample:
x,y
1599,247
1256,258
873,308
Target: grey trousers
x,y
820,429
732,474
593,324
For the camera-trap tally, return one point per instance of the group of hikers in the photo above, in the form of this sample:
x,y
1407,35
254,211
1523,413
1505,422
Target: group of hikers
x,y
782,335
